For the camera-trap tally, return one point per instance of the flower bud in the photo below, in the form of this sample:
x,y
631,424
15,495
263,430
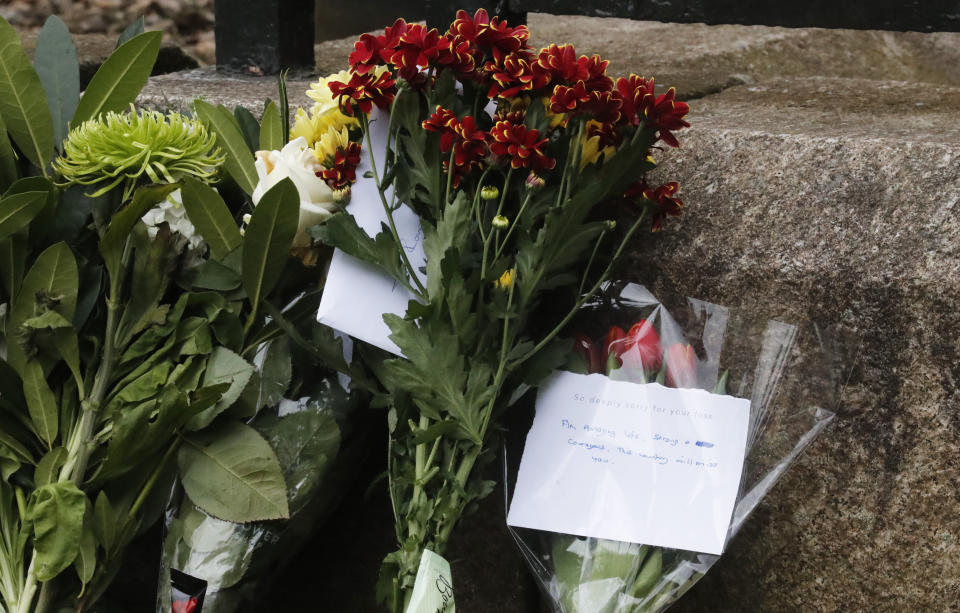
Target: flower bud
x,y
342,196
506,280
489,192
500,222
247,217
611,225
535,181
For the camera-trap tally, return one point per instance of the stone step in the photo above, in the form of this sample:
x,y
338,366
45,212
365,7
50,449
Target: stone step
x,y
821,177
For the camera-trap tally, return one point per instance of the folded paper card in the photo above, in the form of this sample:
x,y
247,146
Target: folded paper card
x,y
640,463
356,294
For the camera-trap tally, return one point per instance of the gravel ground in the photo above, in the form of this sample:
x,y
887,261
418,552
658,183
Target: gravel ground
x,y
189,23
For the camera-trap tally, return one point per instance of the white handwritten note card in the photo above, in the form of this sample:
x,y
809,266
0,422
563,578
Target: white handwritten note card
x,y
630,462
356,294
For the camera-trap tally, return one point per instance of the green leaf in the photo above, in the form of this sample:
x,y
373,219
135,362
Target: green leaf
x,y
119,80
224,366
209,213
59,70
18,210
48,469
266,244
451,231
23,103
115,238
233,474
134,29
104,522
41,402
86,562
214,275
271,129
52,281
57,512
13,253
270,380
239,163
341,231
249,127
8,159
64,339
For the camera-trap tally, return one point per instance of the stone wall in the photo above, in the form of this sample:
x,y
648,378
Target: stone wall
x,y
822,178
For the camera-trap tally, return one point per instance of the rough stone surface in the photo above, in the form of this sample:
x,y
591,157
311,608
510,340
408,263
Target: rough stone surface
x,y
94,49
838,216
822,179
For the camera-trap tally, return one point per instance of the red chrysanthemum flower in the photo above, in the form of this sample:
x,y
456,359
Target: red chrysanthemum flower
x,y
593,71
469,144
458,54
663,113
344,171
372,50
562,64
603,105
667,115
522,145
415,49
566,99
661,198
365,90
490,34
511,74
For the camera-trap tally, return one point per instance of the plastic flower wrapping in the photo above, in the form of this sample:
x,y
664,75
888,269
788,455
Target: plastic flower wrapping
x,y
791,374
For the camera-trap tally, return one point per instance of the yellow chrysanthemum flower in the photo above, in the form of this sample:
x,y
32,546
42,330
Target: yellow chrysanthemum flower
x,y
506,280
326,146
591,152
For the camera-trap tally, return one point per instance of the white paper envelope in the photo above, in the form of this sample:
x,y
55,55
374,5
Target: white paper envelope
x,y
356,294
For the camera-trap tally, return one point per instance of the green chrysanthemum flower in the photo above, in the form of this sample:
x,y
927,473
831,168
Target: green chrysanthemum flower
x,y
120,148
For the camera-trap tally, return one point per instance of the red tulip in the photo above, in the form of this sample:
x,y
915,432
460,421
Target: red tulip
x,y
681,366
612,347
589,352
640,348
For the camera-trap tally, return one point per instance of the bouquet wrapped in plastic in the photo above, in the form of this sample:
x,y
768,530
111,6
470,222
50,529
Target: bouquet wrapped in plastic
x,y
791,380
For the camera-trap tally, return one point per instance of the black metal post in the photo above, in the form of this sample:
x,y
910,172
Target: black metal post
x,y
262,37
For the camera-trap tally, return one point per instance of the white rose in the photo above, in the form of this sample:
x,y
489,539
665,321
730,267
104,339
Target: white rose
x,y
297,162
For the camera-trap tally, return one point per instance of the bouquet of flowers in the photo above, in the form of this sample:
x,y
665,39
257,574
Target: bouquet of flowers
x,y
306,419
525,169
790,382
145,320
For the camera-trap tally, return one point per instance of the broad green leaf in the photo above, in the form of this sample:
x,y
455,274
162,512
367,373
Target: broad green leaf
x,y
249,127
41,402
18,210
266,244
214,275
104,521
134,29
270,380
152,265
57,512
86,562
115,238
48,468
8,159
233,474
271,129
13,253
239,162
59,70
52,280
224,366
119,80
209,213
23,103
64,339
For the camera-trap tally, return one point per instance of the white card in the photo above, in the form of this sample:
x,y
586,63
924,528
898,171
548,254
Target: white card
x,y
640,463
356,294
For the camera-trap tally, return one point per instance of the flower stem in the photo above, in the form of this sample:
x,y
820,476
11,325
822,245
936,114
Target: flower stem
x,y
365,126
